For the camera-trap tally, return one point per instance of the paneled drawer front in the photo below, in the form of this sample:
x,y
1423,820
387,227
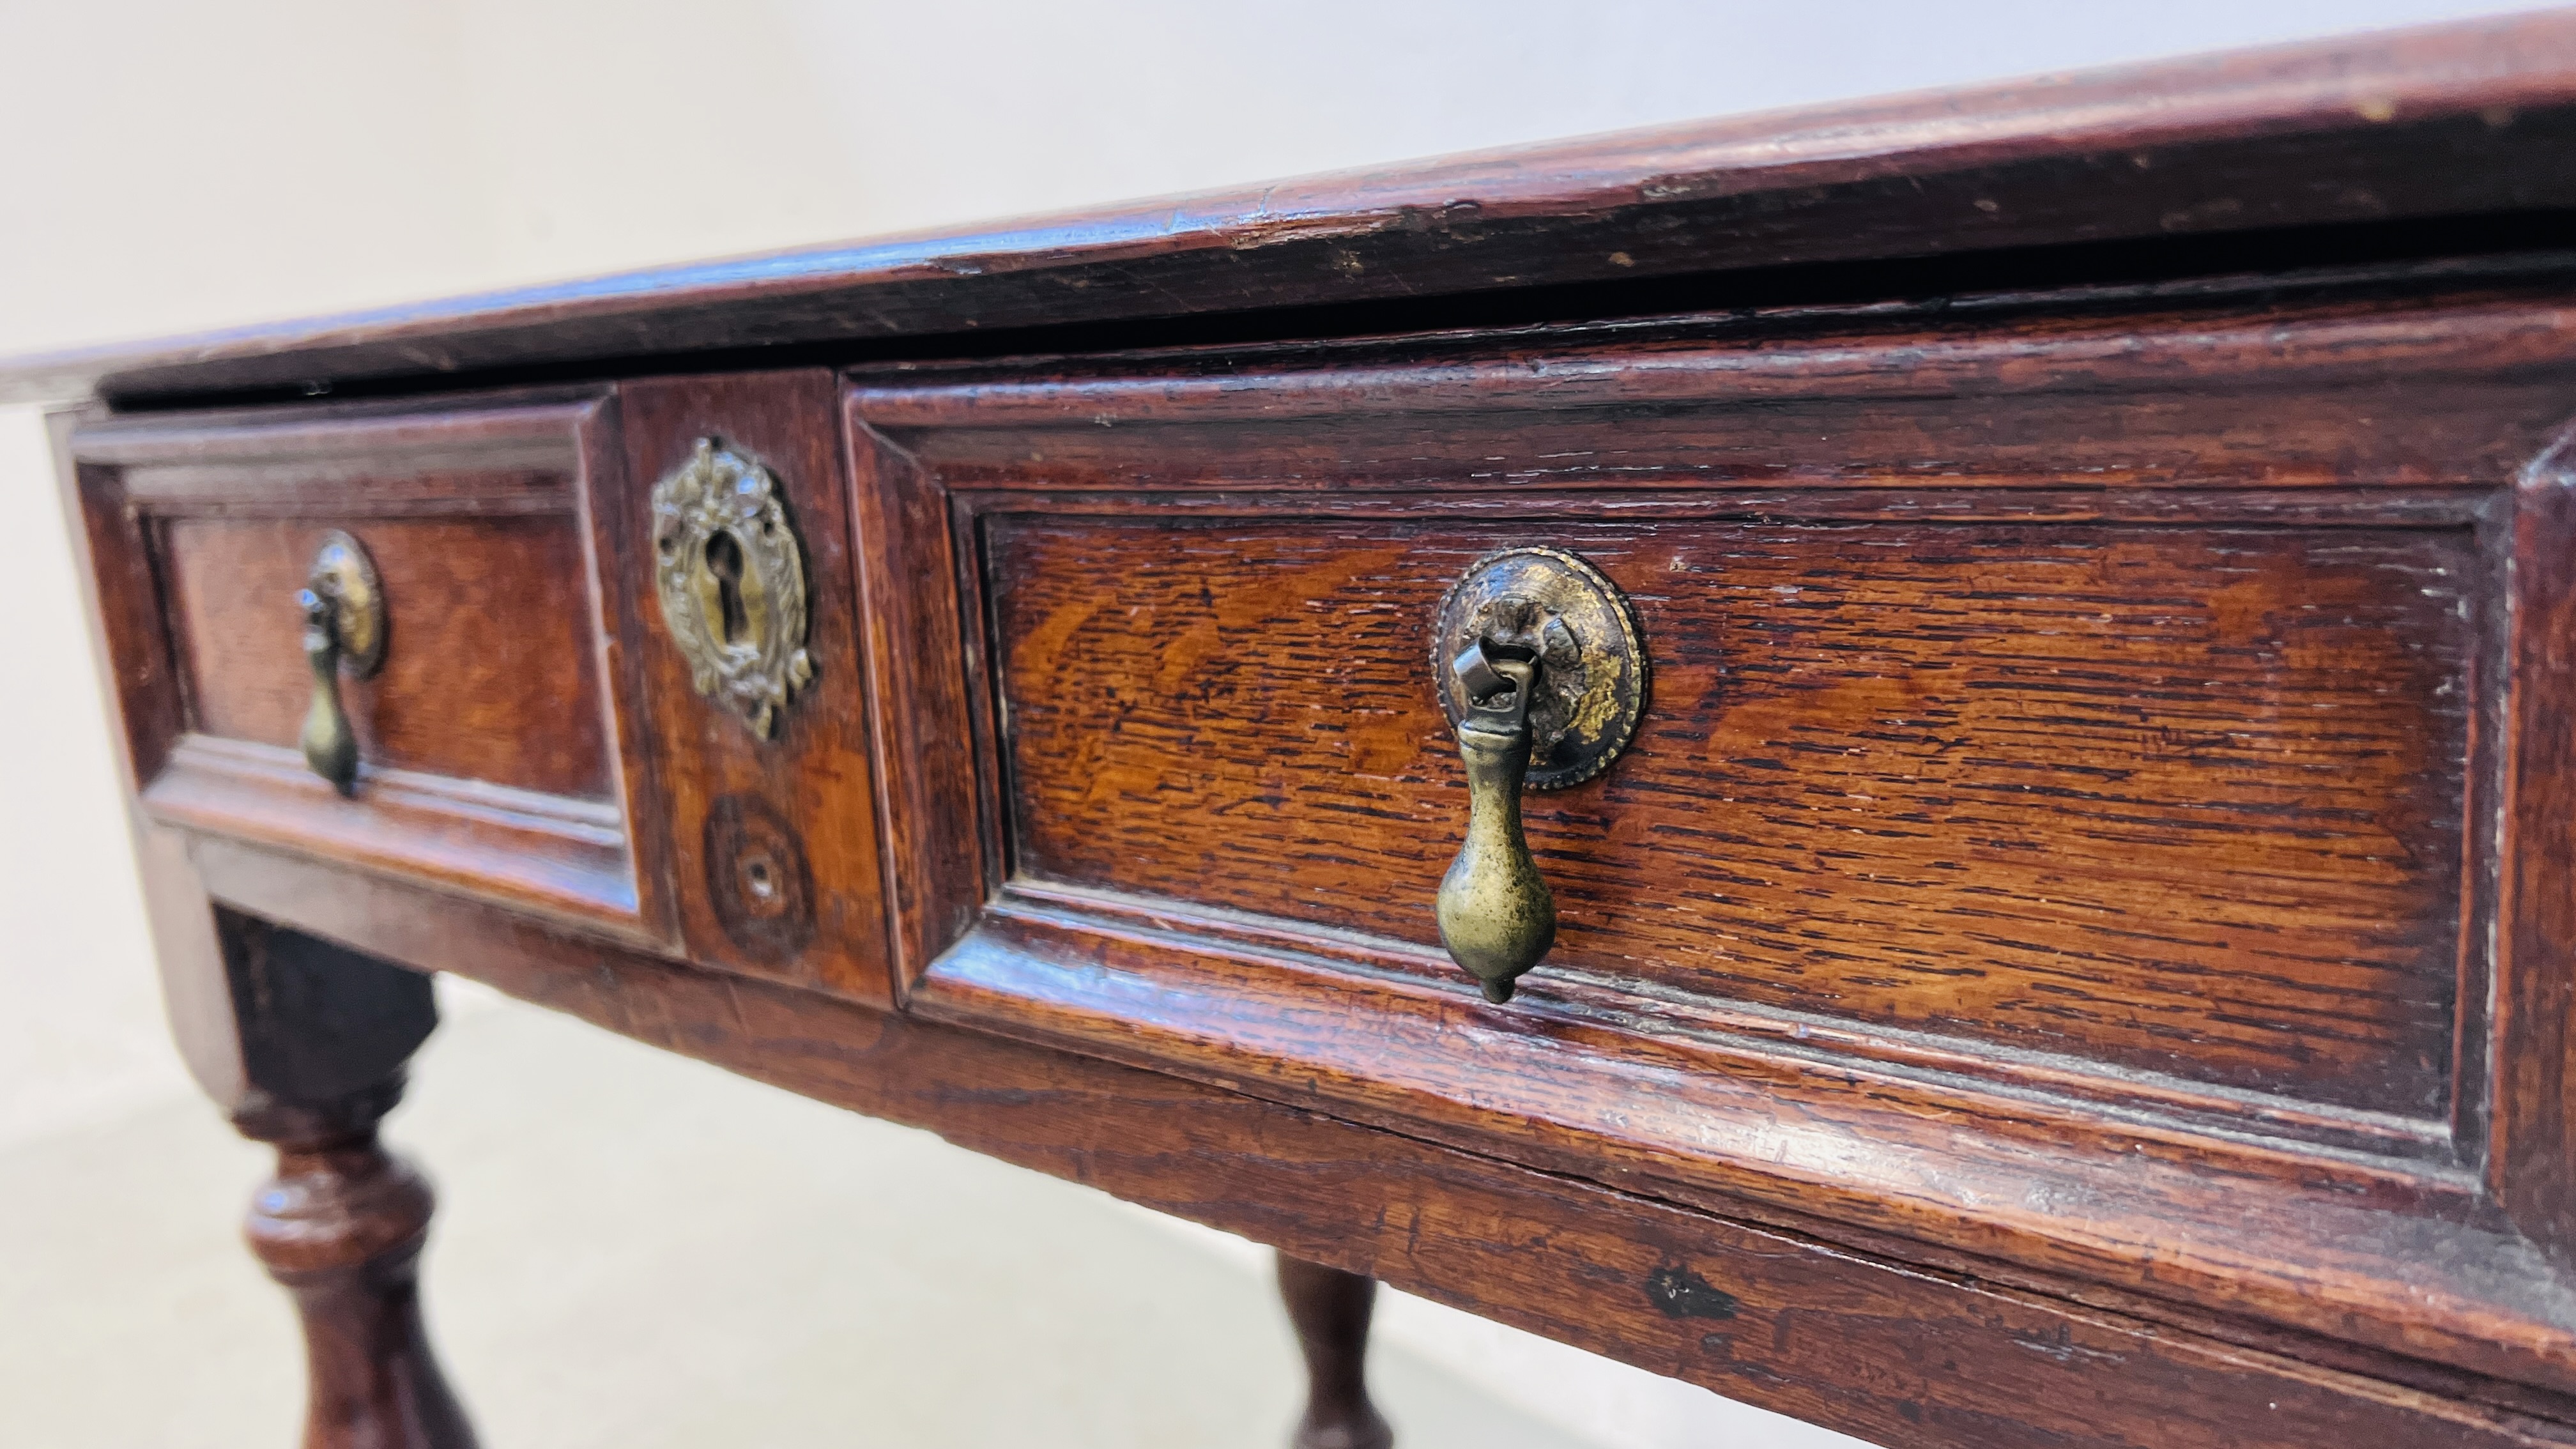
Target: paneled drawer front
x,y
2183,800
2070,822
489,757
493,674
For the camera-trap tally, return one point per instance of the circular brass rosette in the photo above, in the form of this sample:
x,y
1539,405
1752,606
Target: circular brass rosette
x,y
731,578
1591,685
344,578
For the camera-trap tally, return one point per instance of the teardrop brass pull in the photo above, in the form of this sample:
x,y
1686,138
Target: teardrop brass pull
x,y
1496,916
1536,658
344,625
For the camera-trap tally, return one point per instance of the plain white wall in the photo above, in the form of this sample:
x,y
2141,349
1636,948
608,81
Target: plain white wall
x,y
175,166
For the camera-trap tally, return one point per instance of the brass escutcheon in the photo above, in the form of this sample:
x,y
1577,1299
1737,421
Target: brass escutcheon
x,y
1536,659
344,628
731,578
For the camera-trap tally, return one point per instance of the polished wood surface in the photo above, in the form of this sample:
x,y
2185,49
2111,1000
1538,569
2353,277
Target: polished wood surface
x,y
324,1034
777,865
2470,118
1777,1309
495,678
2184,800
1329,1309
493,755
2075,954
2019,844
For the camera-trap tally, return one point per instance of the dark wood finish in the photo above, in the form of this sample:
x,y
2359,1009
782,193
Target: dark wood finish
x,y
1767,1312
195,994
2057,839
2531,1164
491,759
2077,954
569,856
2464,119
324,1033
798,810
942,854
1329,1309
2091,403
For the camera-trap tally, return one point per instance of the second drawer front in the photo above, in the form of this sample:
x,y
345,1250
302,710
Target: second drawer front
x,y
2185,800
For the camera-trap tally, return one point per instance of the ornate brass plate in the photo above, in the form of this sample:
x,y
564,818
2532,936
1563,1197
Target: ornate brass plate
x,y
731,577
1591,683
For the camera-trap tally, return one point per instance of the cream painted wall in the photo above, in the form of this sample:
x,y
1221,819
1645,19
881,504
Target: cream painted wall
x,y
175,166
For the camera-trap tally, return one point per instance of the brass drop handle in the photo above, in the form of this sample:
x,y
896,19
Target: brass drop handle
x,y
1496,916
1537,661
330,745
344,625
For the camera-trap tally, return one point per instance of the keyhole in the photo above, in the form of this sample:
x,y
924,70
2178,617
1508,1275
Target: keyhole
x,y
724,560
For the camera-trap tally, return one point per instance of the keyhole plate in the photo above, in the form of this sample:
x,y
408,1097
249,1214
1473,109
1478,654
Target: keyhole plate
x,y
724,562
731,578
1592,664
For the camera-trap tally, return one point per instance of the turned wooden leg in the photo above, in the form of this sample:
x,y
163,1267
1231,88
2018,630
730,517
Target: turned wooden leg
x,y
323,1034
1330,1310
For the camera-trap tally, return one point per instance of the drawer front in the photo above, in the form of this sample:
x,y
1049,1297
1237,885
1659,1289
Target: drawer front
x,y
2075,817
2175,799
489,756
491,673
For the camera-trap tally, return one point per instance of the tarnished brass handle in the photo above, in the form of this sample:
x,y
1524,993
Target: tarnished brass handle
x,y
330,745
1536,658
344,625
1496,916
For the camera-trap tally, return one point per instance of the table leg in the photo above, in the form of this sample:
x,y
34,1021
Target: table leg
x,y
323,1035
1330,1310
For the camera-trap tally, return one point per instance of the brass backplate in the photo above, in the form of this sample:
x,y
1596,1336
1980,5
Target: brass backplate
x,y
1592,680
731,578
343,576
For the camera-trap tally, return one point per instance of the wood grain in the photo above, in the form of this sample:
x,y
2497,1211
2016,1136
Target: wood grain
x,y
800,809
942,855
493,761
489,672
340,1225
2186,801
2077,957
2343,1245
1201,552
2532,1158
566,858
1895,1354
2113,397
139,692
2477,117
